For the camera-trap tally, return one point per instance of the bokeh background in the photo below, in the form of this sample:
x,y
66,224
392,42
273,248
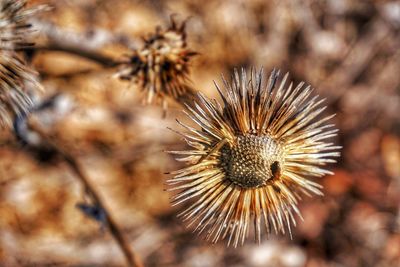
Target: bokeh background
x,y
348,50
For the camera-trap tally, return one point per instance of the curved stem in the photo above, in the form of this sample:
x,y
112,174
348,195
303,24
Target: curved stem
x,y
131,257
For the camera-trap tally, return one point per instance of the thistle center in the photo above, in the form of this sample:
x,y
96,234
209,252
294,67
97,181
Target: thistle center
x,y
252,160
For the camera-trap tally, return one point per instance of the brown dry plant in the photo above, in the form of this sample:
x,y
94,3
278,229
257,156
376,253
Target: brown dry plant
x,y
15,76
161,66
251,157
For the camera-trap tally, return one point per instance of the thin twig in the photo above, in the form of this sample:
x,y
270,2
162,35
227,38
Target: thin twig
x,y
130,256
79,51
83,45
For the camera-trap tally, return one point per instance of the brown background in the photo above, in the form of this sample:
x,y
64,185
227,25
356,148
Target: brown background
x,y
347,50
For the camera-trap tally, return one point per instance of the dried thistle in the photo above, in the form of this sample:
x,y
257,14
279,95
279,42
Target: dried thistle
x,y
14,27
161,67
251,158
15,75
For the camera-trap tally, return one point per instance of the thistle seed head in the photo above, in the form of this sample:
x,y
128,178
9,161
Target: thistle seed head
x,y
15,76
14,28
252,161
251,157
161,67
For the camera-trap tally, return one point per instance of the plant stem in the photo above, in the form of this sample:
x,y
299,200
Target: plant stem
x,y
131,257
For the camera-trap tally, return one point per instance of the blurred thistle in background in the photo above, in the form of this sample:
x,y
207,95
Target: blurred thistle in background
x,y
161,66
251,157
16,77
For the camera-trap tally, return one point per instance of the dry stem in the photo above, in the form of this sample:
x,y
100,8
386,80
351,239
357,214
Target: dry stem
x,y
130,256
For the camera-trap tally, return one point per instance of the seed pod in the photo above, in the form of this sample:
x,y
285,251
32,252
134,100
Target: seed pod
x,y
15,76
161,66
14,27
15,80
251,157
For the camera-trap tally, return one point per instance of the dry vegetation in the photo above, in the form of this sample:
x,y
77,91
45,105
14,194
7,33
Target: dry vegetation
x,y
348,50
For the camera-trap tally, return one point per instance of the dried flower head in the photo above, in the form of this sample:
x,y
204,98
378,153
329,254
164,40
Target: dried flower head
x,y
161,67
14,27
15,75
251,157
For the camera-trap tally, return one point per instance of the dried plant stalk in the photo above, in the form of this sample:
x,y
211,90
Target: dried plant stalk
x,y
251,157
160,67
131,257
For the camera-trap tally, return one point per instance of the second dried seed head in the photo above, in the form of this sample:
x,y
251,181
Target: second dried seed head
x,y
16,77
161,66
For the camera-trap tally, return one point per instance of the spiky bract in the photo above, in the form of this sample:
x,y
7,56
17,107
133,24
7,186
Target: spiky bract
x,y
161,67
14,27
251,157
15,75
